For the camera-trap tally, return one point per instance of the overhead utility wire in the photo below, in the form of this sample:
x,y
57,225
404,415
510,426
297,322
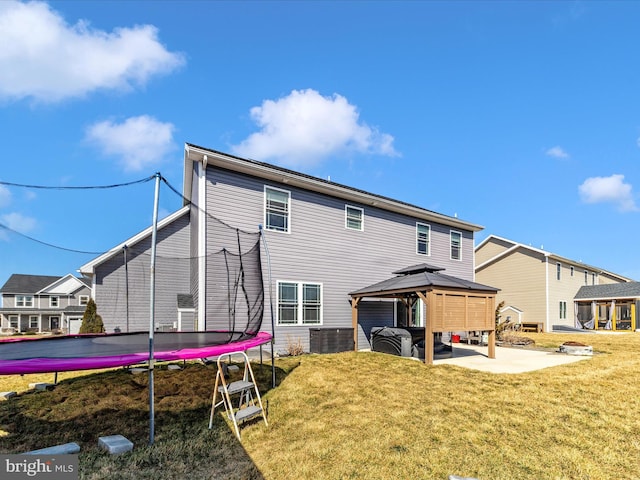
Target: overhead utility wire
x,y
46,187
47,244
143,180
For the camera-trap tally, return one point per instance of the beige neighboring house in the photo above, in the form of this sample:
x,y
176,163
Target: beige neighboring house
x,y
537,287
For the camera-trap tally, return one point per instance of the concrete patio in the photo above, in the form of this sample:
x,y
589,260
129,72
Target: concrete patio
x,y
508,359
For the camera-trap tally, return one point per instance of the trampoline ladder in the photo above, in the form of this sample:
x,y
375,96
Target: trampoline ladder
x,y
241,398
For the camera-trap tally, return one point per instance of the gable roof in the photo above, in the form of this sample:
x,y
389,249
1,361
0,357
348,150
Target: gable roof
x,y
420,279
20,283
64,286
557,258
609,291
194,153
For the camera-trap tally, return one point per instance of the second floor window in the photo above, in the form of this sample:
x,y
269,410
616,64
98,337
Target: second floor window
x,y
423,234
456,246
24,301
353,218
558,271
276,209
54,302
83,300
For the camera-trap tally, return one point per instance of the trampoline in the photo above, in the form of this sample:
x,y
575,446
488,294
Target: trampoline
x,y
231,312
89,352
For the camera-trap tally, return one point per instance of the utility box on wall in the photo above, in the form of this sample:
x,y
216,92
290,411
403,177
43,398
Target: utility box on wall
x,y
330,340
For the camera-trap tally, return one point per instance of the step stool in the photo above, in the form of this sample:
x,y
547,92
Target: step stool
x,y
248,403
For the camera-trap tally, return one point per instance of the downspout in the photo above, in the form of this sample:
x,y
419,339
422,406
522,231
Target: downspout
x,y
546,300
202,243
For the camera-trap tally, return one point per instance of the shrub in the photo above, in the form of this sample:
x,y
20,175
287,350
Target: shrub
x,y
91,321
294,346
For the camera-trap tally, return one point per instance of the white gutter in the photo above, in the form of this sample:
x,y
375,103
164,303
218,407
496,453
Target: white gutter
x,y
546,281
202,243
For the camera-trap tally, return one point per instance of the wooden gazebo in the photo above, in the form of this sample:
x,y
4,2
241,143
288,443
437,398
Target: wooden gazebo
x,y
452,304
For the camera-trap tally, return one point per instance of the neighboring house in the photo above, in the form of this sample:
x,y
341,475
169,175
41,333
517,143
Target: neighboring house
x,y
43,303
325,240
536,286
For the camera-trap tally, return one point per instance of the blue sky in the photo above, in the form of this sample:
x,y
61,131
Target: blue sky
x,y
523,117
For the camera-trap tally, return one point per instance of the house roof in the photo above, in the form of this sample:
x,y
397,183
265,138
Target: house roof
x,y
609,291
420,280
557,258
195,153
20,283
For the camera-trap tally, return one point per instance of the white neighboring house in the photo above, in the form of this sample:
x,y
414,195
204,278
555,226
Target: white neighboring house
x,y
43,303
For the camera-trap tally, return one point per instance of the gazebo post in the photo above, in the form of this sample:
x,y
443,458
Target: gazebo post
x,y
428,330
492,344
354,321
491,303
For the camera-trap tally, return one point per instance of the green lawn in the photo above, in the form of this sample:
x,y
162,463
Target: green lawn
x,y
355,415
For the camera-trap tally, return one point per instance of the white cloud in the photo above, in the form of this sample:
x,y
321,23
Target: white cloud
x,y
304,128
18,222
138,142
557,152
5,196
608,190
44,58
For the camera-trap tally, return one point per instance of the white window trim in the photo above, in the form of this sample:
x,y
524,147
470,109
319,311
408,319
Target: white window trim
x,y
264,209
16,319
31,317
24,301
300,305
346,216
51,305
558,271
80,297
428,253
451,232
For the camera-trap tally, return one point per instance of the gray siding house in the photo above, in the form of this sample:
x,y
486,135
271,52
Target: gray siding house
x,y
43,303
324,239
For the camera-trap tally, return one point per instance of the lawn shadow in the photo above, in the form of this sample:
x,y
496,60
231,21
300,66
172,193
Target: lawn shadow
x,y
85,408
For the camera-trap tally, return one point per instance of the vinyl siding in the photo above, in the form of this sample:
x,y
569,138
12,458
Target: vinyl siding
x,y
563,290
373,314
520,276
172,278
492,248
319,249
